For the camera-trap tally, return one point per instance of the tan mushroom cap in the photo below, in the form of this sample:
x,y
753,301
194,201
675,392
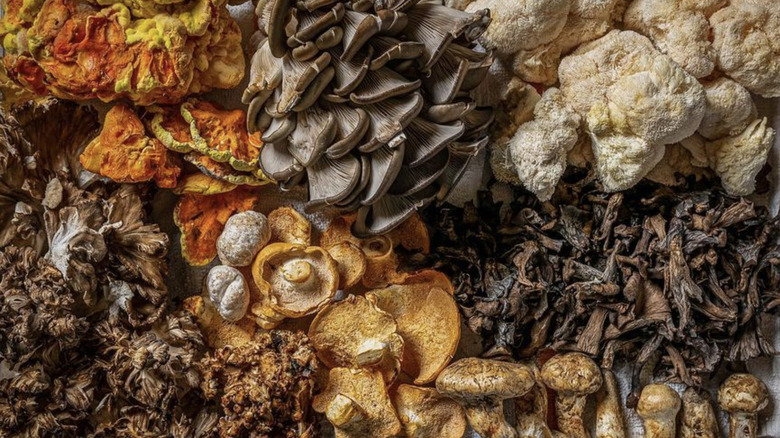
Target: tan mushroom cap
x,y
743,393
294,280
473,379
351,261
355,333
355,401
658,401
428,320
216,330
572,373
426,413
289,226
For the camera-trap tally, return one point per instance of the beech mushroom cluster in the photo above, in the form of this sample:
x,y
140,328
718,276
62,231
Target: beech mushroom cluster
x,y
368,101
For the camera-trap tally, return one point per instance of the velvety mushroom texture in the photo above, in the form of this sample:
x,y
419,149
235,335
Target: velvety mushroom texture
x,y
369,102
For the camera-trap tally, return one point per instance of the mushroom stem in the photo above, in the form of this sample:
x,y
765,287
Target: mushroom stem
x,y
296,271
698,417
743,396
487,419
609,416
371,352
343,410
573,376
570,409
743,425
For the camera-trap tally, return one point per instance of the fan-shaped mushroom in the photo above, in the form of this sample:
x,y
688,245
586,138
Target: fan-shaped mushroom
x,y
351,261
426,413
294,281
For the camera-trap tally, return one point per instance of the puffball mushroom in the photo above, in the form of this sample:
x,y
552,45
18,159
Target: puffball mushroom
x,y
425,413
737,160
481,386
743,396
730,109
698,416
658,407
228,291
609,413
573,376
244,235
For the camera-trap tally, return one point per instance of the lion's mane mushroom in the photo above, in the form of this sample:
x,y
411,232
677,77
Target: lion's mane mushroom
x,y
573,376
698,416
658,407
743,396
374,343
428,321
294,281
730,109
481,386
226,288
426,413
244,235
357,404
368,102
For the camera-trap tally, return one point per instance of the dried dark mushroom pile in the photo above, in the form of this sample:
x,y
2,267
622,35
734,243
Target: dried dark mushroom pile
x,y
687,275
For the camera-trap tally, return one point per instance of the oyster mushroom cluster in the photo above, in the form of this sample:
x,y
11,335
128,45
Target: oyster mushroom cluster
x,y
369,102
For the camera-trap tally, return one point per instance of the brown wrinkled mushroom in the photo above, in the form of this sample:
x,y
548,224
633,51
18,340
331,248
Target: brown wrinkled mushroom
x,y
356,403
216,330
426,413
294,281
609,413
289,226
531,409
743,396
428,320
658,407
573,376
355,333
351,261
481,386
698,416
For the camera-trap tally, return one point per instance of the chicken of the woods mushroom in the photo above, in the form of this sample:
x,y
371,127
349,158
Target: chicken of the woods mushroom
x,y
368,101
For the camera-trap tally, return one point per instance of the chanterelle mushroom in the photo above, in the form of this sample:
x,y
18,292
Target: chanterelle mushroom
x,y
294,281
573,376
743,396
426,413
481,386
658,407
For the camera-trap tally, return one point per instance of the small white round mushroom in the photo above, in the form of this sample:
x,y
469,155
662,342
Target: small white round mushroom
x,y
743,396
573,376
227,289
245,234
658,407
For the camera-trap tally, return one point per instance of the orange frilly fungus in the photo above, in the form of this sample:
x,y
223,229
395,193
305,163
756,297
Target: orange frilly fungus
x,y
124,153
222,134
202,218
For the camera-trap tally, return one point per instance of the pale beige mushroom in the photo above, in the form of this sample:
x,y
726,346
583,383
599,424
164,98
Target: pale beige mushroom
x,y
355,333
698,416
609,414
426,413
293,280
743,396
658,407
351,261
356,403
287,225
481,386
216,330
573,376
531,409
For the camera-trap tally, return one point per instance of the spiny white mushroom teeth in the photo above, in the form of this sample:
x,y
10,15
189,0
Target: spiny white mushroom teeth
x,y
369,101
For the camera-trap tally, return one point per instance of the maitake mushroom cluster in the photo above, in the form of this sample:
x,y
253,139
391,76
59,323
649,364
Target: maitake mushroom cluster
x,y
368,101
146,51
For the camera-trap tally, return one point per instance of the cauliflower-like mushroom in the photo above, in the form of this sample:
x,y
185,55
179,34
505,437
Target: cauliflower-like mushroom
x,y
746,38
730,109
737,160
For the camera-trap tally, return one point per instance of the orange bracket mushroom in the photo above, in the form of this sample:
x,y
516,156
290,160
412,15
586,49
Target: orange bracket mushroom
x,y
426,413
293,280
428,321
374,343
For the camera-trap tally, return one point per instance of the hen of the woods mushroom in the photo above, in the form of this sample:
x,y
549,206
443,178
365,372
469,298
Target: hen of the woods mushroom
x,y
368,101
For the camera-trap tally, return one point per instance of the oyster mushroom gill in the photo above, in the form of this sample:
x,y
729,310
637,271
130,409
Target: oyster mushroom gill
x,y
368,101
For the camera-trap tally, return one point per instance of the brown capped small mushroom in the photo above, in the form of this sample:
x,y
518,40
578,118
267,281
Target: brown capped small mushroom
x,y
356,403
698,416
531,409
287,225
573,376
609,414
658,407
294,281
428,320
426,413
355,333
743,396
481,386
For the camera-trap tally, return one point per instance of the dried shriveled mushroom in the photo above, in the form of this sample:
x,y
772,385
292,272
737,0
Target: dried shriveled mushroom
x,y
289,226
344,93
244,235
573,376
658,407
425,413
743,396
352,263
428,321
216,331
609,412
227,289
294,281
202,184
374,343
698,416
357,404
481,386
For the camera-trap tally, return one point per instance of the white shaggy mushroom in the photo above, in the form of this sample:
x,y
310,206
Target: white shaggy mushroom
x,y
226,288
737,160
730,109
245,234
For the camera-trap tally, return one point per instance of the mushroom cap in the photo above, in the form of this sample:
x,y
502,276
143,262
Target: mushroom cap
x,y
473,379
658,401
428,320
372,343
572,372
425,413
289,226
216,330
743,393
296,280
351,261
